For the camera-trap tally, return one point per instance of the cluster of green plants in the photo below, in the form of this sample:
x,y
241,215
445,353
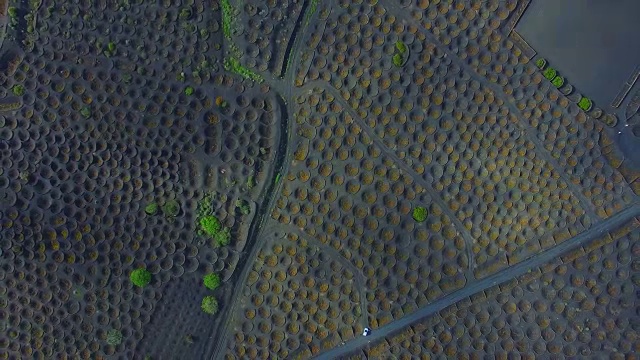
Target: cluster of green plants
x,y
232,64
552,75
210,305
209,225
401,54
18,90
110,49
243,206
227,17
114,337
212,281
420,214
13,15
151,208
312,9
171,208
140,277
188,90
85,112
585,104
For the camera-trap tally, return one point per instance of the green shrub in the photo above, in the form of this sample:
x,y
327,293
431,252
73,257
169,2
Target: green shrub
x,y
209,305
558,81
18,90
171,208
227,18
223,238
188,91
151,209
114,337
210,225
585,104
397,60
550,73
140,277
212,281
233,64
111,47
541,63
420,214
401,47
244,207
85,112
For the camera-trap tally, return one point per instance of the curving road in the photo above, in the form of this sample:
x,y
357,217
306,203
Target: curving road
x,y
498,278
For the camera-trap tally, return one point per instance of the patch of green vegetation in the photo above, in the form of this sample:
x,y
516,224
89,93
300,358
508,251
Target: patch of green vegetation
x,y
550,73
18,90
185,14
420,214
212,281
278,176
222,238
13,15
209,305
171,208
188,91
114,337
312,9
110,49
85,112
151,209
244,206
585,104
541,63
251,182
210,225
233,64
397,60
140,277
558,81
11,106
227,17
401,47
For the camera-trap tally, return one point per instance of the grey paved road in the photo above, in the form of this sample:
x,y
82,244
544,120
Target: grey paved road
x,y
481,285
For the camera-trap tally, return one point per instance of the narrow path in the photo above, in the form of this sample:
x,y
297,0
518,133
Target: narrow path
x,y
283,87
500,277
404,167
393,9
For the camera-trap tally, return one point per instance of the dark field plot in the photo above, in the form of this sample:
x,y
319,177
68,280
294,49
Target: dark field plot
x,y
584,39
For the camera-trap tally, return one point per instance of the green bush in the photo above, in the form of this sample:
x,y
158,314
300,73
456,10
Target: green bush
x,y
558,81
140,277
541,63
550,73
114,337
223,238
397,60
585,104
188,91
151,209
85,112
209,305
420,214
18,90
212,281
171,208
244,206
401,47
210,225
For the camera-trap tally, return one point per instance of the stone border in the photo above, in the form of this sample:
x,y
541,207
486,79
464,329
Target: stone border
x,y
622,94
515,17
522,44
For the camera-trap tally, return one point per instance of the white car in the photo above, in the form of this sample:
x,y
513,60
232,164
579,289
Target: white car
x,y
366,331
